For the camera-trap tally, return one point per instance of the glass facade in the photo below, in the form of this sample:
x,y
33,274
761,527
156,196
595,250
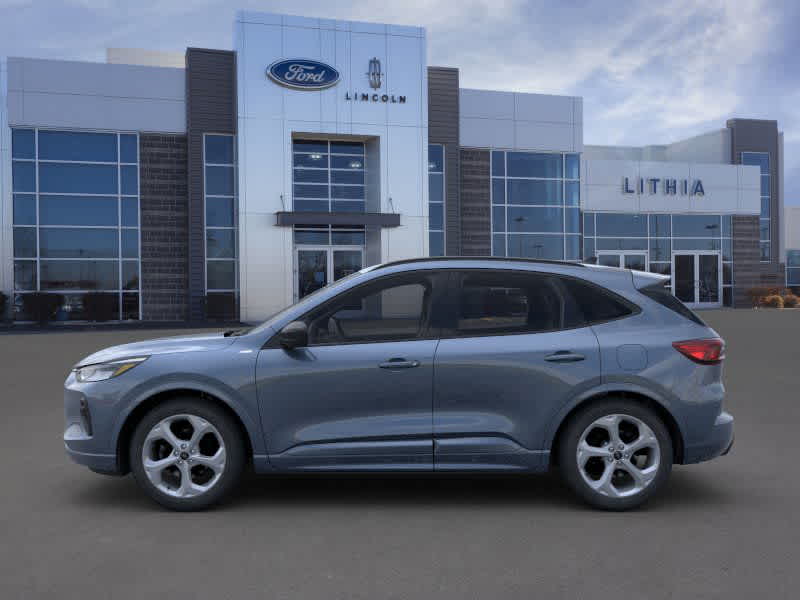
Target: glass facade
x,y
793,268
535,205
436,199
219,158
657,237
328,176
76,220
761,160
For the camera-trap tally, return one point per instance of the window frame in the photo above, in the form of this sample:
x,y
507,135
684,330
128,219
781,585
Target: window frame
x,y
454,287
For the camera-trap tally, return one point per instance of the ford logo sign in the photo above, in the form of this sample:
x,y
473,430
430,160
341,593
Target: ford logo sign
x,y
303,74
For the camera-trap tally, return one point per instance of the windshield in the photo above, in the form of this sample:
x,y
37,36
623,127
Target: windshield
x,y
308,300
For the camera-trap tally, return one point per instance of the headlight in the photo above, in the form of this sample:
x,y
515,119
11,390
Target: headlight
x,y
103,371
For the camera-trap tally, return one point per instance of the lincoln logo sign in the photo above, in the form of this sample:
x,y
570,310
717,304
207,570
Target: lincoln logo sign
x,y
668,186
302,74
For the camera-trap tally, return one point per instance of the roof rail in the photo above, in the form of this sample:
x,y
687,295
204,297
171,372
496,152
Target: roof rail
x,y
545,261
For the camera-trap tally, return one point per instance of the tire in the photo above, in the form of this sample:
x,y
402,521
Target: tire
x,y
626,477
171,431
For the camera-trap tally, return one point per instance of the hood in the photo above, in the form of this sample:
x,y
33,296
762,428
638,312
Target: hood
x,y
204,342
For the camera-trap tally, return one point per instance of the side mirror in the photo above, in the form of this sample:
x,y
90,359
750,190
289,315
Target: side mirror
x,y
294,335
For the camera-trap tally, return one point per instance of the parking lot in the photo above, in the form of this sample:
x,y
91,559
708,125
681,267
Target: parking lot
x,y
729,528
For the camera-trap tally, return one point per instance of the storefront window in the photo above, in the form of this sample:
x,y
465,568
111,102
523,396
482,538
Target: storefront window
x,y
436,199
328,176
76,220
535,205
219,156
761,160
793,268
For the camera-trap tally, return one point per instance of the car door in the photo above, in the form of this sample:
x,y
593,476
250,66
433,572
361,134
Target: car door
x,y
515,351
359,397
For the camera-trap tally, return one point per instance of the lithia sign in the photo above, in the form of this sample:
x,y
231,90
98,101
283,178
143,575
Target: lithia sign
x,y
306,74
667,186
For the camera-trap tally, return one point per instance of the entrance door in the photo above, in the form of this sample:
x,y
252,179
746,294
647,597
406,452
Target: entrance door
x,y
697,279
625,259
316,267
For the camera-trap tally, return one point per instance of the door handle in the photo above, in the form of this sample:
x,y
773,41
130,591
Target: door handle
x,y
564,356
399,363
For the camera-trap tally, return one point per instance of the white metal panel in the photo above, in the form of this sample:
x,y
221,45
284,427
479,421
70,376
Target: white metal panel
x,y
404,77
486,104
546,136
364,47
301,105
259,96
543,107
486,133
405,189
262,157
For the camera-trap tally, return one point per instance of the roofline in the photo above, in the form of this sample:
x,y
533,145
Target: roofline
x,y
499,259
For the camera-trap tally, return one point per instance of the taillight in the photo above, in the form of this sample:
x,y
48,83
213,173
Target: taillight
x,y
705,352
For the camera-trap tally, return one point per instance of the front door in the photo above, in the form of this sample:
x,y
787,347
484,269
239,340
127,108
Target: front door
x,y
316,267
624,259
697,279
359,396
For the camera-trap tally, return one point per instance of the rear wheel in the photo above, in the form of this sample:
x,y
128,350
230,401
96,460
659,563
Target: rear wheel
x,y
616,454
187,454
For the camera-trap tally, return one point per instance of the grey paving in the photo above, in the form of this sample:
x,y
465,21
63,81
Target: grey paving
x,y
730,528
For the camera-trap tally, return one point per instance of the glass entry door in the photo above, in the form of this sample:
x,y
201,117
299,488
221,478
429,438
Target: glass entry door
x,y
697,278
625,259
317,267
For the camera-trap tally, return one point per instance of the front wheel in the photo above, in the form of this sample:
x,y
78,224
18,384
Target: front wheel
x,y
616,454
187,454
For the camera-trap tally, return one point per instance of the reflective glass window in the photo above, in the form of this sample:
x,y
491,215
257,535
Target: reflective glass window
x,y
696,225
660,249
531,164
498,163
572,220
535,219
220,243
573,166
128,148
219,149
588,224
347,192
77,210
25,242
24,209
310,146
68,178
531,191
572,193
130,243
356,148
436,243
435,158
354,177
319,161
130,212
79,275
436,216
572,247
347,206
57,242
660,226
623,225
23,143
130,275
219,181
221,274
312,237
621,243
436,187
77,146
345,162
498,191
129,180
25,275
219,212
23,176
536,246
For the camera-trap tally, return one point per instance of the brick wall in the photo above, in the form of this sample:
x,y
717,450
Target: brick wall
x,y
476,218
165,226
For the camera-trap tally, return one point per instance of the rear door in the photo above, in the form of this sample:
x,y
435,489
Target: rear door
x,y
514,351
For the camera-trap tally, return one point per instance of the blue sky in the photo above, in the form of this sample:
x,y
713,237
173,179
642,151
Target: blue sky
x,y
649,72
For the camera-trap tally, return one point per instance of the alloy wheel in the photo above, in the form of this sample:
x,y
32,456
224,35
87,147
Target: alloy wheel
x,y
618,455
184,456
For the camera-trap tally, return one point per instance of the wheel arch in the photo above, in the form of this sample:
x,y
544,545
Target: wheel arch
x,y
134,417
641,397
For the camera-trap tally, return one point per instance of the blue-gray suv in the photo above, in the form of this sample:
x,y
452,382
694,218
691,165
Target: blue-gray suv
x,y
425,365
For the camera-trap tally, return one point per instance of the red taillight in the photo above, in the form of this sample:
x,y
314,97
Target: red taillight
x,y
705,352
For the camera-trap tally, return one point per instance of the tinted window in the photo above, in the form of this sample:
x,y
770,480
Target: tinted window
x,y
662,295
22,143
74,145
596,304
393,309
500,303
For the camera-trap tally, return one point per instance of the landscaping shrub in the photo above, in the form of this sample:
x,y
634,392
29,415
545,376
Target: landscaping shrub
x,y
773,301
99,306
41,306
790,301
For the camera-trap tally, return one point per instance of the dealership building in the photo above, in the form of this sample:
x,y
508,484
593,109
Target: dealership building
x,y
217,184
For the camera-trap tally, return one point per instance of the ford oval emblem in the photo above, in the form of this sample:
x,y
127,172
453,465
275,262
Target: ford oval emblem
x,y
303,74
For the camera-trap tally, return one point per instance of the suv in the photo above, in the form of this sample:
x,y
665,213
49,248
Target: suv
x,y
425,365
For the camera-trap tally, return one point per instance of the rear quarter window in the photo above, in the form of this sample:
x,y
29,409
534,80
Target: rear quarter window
x,y
596,303
659,293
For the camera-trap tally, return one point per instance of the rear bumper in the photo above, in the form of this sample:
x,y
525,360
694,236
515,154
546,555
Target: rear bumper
x,y
717,443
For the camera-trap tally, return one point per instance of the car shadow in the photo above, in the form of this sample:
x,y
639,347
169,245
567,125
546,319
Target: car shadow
x,y
684,489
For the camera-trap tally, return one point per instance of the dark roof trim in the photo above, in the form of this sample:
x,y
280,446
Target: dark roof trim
x,y
286,219
498,259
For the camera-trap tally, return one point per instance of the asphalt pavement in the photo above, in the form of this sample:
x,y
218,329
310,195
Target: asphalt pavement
x,y
725,529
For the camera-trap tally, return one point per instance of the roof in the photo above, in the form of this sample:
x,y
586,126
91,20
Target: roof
x,y
497,259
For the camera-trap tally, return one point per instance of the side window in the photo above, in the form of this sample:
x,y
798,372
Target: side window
x,y
392,309
595,303
500,303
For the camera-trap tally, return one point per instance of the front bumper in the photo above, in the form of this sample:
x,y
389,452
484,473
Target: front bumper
x,y
717,443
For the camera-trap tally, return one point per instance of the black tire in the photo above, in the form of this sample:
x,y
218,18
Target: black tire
x,y
568,445
235,454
